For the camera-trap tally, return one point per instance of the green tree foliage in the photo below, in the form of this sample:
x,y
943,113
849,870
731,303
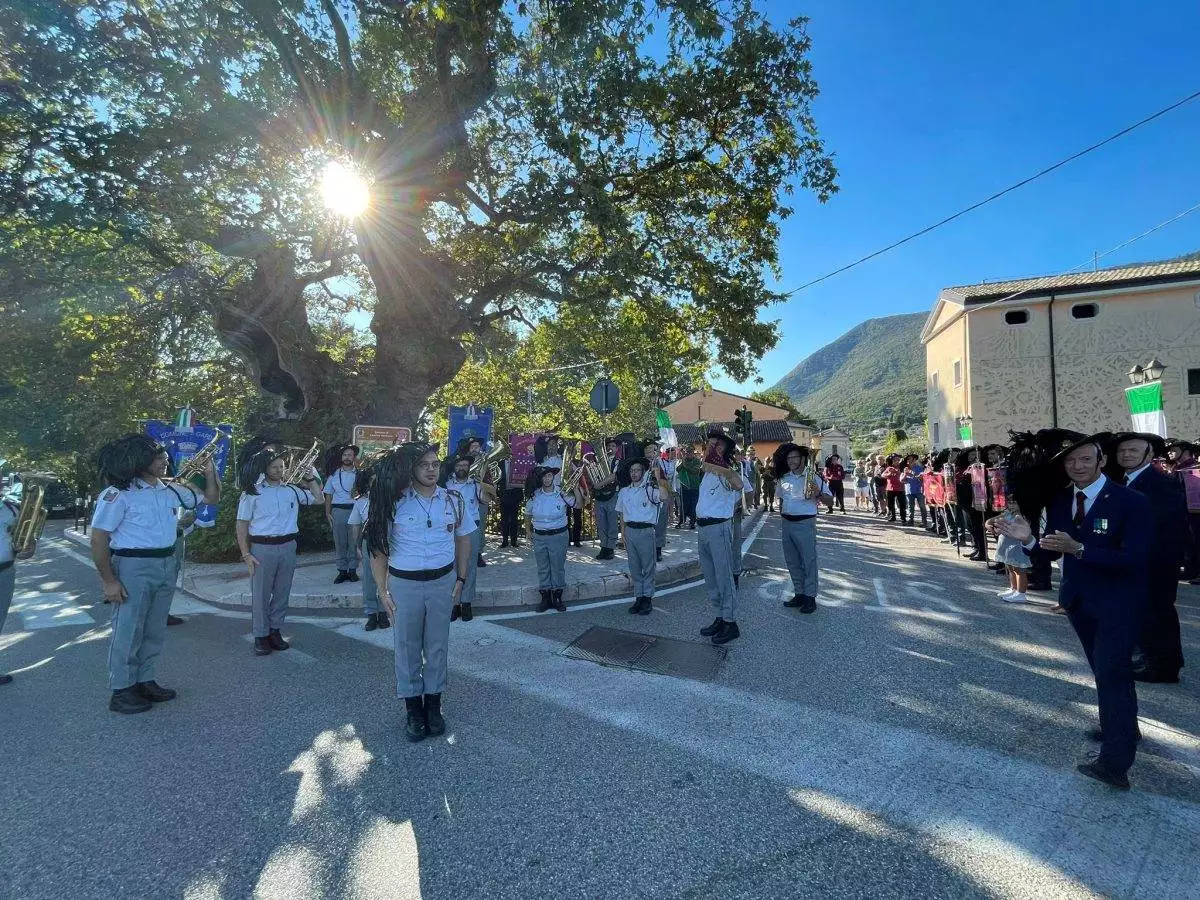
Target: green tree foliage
x,y
528,161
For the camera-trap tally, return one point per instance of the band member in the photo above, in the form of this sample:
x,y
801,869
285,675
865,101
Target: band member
x,y
720,492
1103,532
638,502
511,495
1181,457
604,496
548,453
133,547
475,450
419,536
9,512
376,618
546,527
473,494
661,472
1159,643
268,524
798,499
341,467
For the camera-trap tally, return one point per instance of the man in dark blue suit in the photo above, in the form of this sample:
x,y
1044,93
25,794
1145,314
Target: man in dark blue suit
x,y
1103,532
1160,645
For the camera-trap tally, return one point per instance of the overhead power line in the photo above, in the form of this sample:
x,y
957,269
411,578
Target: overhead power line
x,y
998,194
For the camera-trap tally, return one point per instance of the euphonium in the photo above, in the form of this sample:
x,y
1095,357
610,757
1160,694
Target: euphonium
x,y
485,463
300,463
31,519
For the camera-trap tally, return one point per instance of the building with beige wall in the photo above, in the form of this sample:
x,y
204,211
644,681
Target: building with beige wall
x,y
708,405
1054,352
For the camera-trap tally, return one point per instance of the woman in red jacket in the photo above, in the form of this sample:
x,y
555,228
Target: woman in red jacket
x,y
834,476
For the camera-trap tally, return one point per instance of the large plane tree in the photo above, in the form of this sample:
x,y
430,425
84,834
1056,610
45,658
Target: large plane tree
x,y
522,158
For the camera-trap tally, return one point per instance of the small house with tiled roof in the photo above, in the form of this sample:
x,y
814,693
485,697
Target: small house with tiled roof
x,y
1055,351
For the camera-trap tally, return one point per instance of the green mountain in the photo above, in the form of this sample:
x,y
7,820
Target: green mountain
x,y
873,372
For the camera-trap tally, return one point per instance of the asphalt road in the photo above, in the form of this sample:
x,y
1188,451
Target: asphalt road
x,y
914,737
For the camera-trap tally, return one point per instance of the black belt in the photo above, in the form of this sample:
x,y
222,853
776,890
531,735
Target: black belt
x,y
639,525
550,532
422,574
273,538
156,553
4,567
796,518
703,522
342,505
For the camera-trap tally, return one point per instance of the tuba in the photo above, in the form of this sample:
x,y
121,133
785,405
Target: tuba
x,y
31,519
300,462
488,463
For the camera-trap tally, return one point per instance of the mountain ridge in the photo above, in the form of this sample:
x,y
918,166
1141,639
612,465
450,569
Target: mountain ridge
x,y
875,371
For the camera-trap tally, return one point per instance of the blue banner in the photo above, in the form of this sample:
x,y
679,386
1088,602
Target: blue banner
x,y
183,443
470,422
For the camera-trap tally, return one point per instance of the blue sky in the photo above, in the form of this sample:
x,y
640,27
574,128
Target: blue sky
x,y
931,106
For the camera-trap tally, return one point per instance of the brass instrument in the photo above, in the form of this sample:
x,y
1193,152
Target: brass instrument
x,y
487,463
809,475
571,481
198,464
31,519
300,463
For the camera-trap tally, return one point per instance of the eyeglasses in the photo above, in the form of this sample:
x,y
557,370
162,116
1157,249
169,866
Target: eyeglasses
x,y
431,464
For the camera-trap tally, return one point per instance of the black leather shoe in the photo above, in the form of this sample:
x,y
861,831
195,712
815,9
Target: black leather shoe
x,y
5,679
503,544
558,600
544,603
262,647
1149,676
341,576
153,692
351,575
796,602
275,639
658,554
414,725
174,620
456,612
467,615
809,605
435,724
384,621
637,606
372,622
1095,770
709,630
606,553
647,606
481,563
128,700
729,631
736,580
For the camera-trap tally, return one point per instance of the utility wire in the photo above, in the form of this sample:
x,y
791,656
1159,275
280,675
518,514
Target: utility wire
x,y
998,194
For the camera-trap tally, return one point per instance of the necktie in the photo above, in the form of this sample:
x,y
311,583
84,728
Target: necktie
x,y
1079,499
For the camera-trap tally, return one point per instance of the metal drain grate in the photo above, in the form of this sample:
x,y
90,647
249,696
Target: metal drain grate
x,y
647,653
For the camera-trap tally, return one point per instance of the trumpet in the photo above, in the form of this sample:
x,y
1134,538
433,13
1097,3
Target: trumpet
x,y
31,519
571,482
300,463
198,464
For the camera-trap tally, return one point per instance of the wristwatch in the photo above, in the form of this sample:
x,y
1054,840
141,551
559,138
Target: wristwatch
x,y
1079,552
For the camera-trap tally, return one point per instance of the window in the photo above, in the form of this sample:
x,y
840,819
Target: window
x,y
937,434
1084,311
1016,317
933,381
1193,382
958,373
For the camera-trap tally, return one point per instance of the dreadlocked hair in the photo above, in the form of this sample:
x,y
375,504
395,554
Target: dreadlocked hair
x,y
392,472
253,466
533,481
125,459
941,459
625,472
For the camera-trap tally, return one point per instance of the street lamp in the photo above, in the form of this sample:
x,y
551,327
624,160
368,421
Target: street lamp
x,y
1136,375
1154,370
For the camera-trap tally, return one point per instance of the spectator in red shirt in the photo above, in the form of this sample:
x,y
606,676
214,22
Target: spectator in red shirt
x,y
834,476
895,490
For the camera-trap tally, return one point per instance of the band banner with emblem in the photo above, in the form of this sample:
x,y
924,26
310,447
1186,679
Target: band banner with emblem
x,y
373,438
978,486
522,462
183,439
468,422
998,486
1191,487
935,491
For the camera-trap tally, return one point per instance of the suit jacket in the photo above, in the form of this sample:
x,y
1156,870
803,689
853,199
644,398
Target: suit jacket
x,y
1168,506
1112,579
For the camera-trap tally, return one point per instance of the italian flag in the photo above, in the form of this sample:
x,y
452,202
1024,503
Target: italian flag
x,y
965,434
666,432
1146,408
186,419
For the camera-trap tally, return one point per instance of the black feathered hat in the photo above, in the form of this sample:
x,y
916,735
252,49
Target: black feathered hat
x,y
533,481
392,470
783,451
252,466
1181,444
730,444
1158,444
125,459
1101,439
624,474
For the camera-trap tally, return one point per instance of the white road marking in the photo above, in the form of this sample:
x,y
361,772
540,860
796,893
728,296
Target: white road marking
x,y
880,594
39,609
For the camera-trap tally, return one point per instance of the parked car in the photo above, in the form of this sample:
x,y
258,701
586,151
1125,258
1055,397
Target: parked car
x,y
59,499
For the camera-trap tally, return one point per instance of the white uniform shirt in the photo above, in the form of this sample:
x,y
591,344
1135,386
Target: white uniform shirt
x,y
471,493
548,509
143,517
340,486
8,518
717,499
275,511
358,515
424,528
790,491
640,502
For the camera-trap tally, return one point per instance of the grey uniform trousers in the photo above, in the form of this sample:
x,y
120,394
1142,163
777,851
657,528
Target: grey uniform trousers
x,y
606,522
346,554
369,588
660,529
421,633
484,507
715,543
800,554
639,549
550,553
468,591
735,551
8,580
271,585
139,622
